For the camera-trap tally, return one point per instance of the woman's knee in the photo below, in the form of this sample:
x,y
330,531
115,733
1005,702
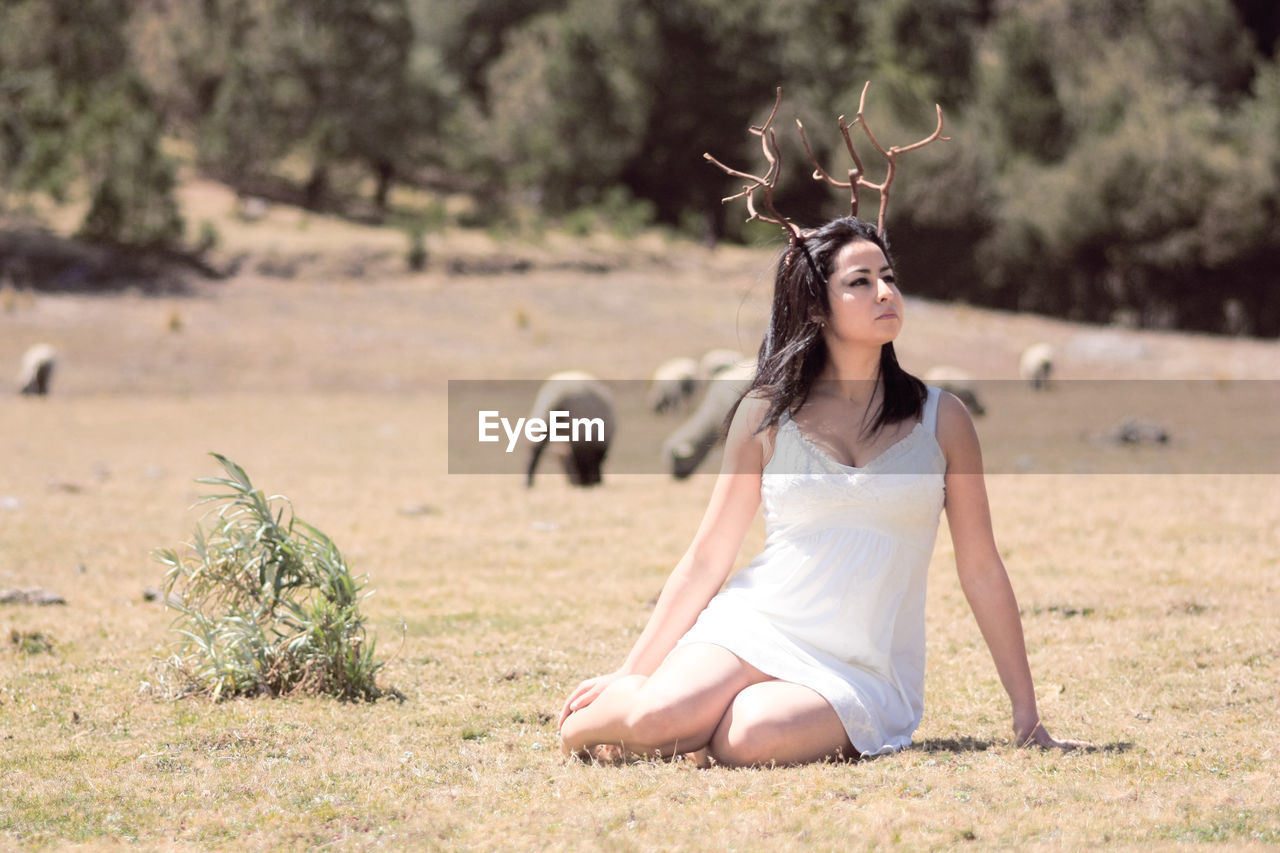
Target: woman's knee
x,y
766,725
657,721
745,737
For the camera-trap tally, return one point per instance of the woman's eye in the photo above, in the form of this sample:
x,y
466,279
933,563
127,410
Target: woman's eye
x,y
890,279
859,281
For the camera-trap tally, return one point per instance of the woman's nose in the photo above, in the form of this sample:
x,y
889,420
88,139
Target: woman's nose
x,y
884,291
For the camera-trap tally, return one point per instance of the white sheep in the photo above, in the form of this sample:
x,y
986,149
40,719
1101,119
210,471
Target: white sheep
x,y
674,383
1036,364
582,396
685,449
958,382
37,369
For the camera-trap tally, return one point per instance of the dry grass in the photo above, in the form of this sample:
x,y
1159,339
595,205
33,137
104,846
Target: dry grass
x,y
1149,601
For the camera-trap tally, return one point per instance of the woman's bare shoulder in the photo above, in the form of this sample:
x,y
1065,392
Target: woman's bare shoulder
x,y
748,423
754,406
957,435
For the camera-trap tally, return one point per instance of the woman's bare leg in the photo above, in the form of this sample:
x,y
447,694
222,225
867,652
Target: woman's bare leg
x,y
673,711
777,722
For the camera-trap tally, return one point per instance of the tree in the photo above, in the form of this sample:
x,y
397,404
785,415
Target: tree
x,y
927,48
1024,100
258,80
567,106
350,58
75,108
1204,44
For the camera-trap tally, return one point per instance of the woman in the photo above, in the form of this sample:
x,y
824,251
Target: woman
x,y
816,649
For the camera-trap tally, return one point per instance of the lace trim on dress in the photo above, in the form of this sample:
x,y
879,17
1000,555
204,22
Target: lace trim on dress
x,y
892,451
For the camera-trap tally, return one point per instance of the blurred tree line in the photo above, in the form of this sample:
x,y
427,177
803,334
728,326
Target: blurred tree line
x,y
1112,159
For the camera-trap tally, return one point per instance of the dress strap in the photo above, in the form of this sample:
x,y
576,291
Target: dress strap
x,y
931,409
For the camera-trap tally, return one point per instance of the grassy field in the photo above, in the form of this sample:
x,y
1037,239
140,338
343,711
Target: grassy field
x,y
1149,600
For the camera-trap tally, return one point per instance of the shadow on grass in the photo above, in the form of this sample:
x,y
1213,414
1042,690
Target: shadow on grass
x,y
969,744
612,756
40,260
1115,748
951,744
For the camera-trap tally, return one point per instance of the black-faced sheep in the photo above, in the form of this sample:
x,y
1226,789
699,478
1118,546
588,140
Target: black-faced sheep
x,y
1036,364
589,424
958,382
685,449
37,369
674,383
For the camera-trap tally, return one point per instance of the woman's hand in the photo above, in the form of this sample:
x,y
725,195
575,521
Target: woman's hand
x,y
1035,734
586,693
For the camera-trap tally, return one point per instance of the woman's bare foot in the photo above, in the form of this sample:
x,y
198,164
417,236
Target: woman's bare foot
x,y
701,758
601,753
607,753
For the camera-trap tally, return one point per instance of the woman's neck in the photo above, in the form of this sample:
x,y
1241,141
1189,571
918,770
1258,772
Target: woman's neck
x,y
851,374
852,365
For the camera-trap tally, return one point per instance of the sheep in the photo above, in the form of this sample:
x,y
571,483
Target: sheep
x,y
1036,364
958,382
674,382
582,396
685,448
717,360
37,369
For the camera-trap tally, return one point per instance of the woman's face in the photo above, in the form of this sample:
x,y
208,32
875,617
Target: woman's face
x,y
866,306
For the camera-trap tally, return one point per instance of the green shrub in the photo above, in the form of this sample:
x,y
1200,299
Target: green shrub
x,y
268,605
31,642
626,215
416,255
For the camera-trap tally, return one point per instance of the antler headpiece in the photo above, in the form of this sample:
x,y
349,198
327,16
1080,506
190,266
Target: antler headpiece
x,y
857,175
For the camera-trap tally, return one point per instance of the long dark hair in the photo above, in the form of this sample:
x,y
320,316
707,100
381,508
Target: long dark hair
x,y
793,352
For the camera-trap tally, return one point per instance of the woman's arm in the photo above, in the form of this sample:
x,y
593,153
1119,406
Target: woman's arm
x,y
707,563
982,573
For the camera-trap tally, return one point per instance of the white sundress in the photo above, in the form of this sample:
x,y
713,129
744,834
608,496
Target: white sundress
x,y
835,601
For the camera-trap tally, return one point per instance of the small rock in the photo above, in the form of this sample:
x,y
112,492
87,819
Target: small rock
x,y
36,596
152,593
252,208
411,510
1135,431
10,502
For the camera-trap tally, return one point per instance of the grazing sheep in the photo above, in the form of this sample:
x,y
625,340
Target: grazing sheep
x,y
692,441
582,396
37,369
673,384
960,383
1036,364
713,362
